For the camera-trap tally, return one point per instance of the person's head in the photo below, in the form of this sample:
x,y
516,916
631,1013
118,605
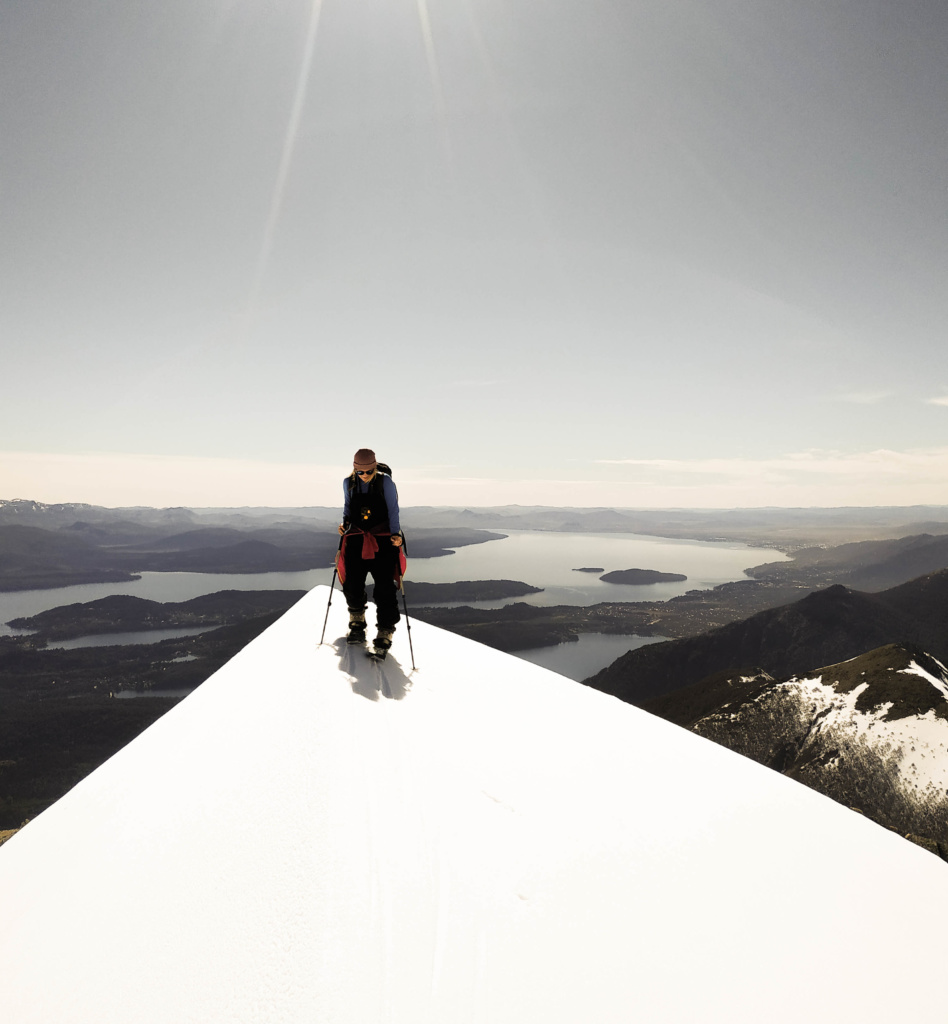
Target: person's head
x,y
364,465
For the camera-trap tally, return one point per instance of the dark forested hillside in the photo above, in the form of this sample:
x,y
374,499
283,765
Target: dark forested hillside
x,y
825,627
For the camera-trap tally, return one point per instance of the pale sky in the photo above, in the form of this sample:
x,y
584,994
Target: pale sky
x,y
630,252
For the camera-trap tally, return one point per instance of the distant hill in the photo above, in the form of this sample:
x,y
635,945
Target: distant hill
x,y
866,565
193,540
822,628
870,732
105,548
120,613
32,558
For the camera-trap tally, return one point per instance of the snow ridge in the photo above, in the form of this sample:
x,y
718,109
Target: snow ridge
x,y
311,836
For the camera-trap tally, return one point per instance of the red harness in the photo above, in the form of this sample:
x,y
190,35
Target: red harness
x,y
370,547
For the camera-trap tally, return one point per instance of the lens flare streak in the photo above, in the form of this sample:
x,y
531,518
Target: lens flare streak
x,y
434,73
286,158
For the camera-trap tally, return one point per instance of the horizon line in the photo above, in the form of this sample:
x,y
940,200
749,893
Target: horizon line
x,y
514,505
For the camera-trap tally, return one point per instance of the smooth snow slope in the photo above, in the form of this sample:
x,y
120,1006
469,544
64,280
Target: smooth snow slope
x,y
483,841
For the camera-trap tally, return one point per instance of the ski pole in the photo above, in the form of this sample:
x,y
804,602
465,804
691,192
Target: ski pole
x,y
401,587
408,625
335,571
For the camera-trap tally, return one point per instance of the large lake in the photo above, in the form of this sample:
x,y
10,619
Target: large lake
x,y
546,560
550,560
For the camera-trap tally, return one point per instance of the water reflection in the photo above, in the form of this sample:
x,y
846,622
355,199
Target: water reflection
x,y
151,636
587,655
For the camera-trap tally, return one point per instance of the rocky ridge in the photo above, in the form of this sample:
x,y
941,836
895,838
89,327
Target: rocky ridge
x,y
870,732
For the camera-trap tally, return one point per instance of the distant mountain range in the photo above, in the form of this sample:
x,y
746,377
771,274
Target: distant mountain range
x,y
787,529
34,558
45,546
871,733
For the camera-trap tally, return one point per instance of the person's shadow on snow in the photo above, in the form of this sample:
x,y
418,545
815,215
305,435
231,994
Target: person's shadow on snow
x,y
370,678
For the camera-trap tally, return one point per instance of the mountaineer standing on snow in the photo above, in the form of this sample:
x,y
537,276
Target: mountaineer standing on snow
x,y
371,537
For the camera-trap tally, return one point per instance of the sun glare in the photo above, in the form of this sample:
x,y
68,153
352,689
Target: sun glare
x,y
434,73
286,157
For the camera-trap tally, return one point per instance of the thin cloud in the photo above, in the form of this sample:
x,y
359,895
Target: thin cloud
x,y
863,397
813,477
810,461
480,384
943,400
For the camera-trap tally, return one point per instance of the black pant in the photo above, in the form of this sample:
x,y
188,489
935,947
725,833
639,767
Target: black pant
x,y
382,568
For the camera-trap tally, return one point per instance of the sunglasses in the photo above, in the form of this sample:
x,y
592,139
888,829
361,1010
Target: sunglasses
x,y
365,472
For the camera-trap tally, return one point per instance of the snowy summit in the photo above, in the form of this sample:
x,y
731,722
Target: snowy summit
x,y
314,837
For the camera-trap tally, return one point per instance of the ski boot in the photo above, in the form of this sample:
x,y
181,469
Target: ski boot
x,y
382,643
356,634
